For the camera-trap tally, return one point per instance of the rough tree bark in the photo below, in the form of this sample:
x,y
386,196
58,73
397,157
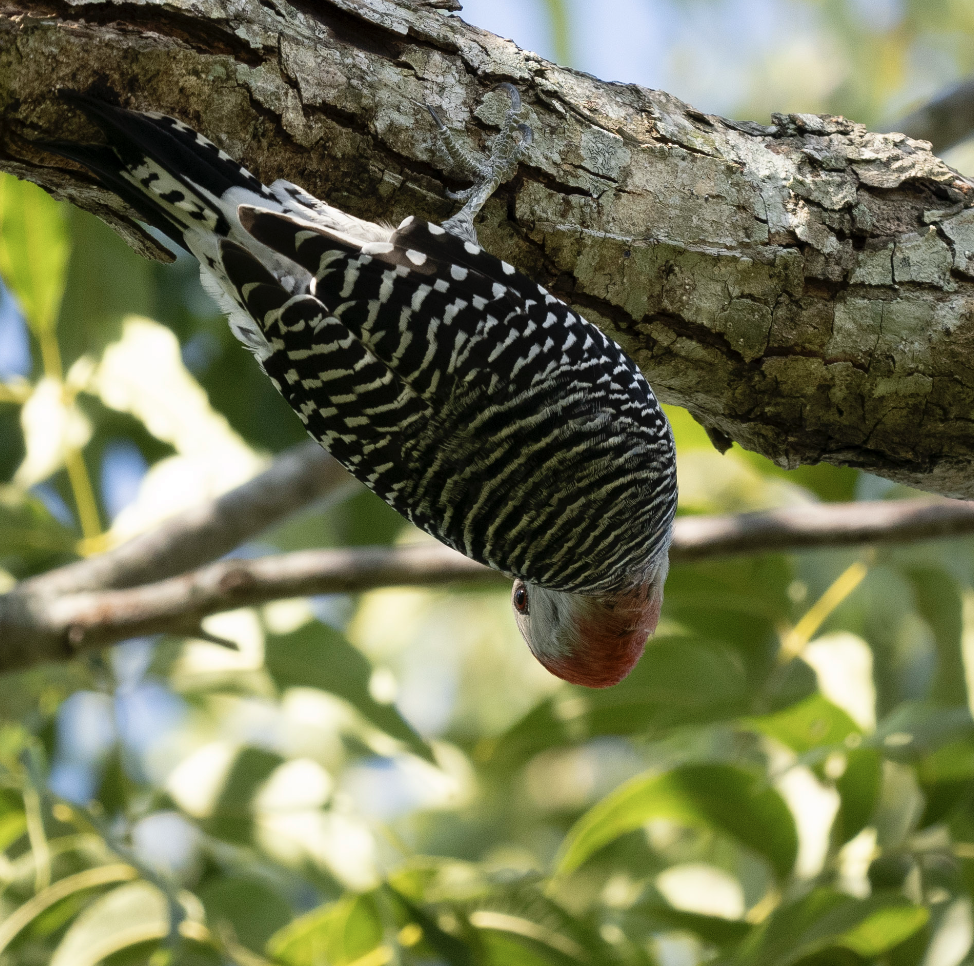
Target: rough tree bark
x,y
806,288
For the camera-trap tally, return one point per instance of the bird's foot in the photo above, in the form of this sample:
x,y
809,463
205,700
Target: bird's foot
x,y
488,172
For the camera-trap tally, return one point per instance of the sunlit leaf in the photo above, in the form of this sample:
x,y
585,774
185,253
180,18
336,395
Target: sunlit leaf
x,y
34,249
131,914
233,813
70,887
339,933
830,920
12,826
143,374
719,797
317,656
53,425
814,723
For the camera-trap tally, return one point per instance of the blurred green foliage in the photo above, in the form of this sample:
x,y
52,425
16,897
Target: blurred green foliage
x,y
786,777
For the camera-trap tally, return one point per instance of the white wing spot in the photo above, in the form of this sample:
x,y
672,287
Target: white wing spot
x,y
458,272
508,269
377,248
471,248
406,222
433,229
417,258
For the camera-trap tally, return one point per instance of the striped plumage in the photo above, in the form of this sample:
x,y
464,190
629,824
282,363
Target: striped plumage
x,y
471,400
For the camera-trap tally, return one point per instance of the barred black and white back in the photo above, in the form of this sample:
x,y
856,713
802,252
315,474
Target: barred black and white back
x,y
470,399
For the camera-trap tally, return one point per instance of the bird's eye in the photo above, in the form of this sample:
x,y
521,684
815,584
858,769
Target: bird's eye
x,y
520,599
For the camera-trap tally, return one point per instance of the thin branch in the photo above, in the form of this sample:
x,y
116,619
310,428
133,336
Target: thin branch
x,y
36,627
95,619
299,476
821,525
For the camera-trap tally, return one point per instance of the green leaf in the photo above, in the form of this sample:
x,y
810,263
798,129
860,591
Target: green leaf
x,y
521,925
49,909
915,728
815,723
953,762
105,282
716,600
525,943
939,602
826,920
715,930
858,788
12,826
447,948
559,26
317,656
679,681
131,914
232,818
31,539
338,934
252,908
34,251
718,797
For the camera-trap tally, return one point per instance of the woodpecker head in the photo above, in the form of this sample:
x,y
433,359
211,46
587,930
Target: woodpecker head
x,y
595,641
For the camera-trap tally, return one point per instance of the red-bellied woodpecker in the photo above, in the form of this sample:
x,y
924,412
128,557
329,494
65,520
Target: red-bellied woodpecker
x,y
470,399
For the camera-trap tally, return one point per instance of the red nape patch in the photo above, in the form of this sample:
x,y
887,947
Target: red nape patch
x,y
612,636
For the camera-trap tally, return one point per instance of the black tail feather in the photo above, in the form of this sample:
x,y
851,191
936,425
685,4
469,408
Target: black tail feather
x,y
103,163
133,137
175,146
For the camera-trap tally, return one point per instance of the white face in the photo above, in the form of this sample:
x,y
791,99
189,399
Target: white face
x,y
542,617
594,641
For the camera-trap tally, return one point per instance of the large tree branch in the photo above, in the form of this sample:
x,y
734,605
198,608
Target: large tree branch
x,y
806,289
42,623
